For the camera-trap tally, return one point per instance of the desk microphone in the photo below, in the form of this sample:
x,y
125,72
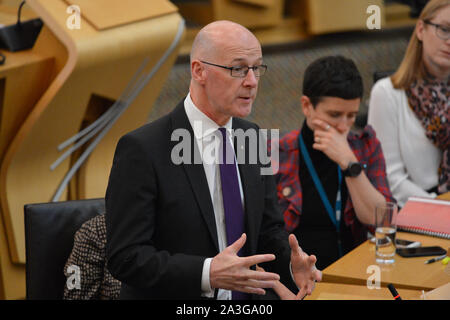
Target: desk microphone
x,y
22,35
394,292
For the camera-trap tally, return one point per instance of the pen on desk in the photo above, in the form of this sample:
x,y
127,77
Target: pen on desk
x,y
436,259
394,292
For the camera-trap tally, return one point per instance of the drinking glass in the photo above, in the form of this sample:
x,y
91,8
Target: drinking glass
x,y
386,228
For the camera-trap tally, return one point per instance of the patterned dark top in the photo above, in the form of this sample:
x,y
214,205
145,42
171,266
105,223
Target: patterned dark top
x,y
89,254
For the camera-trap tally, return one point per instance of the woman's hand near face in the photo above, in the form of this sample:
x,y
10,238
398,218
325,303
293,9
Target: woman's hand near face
x,y
334,144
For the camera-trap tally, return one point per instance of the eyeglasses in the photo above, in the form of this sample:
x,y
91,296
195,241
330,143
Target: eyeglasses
x,y
241,72
441,31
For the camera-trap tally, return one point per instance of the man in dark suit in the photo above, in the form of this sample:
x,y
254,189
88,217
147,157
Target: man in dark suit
x,y
196,229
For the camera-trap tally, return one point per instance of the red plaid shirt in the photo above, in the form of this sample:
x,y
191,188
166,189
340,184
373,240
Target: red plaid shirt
x,y
367,150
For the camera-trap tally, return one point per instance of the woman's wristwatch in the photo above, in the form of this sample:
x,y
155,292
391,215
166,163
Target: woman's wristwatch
x,y
354,169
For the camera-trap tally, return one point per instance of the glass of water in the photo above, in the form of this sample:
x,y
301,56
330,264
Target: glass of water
x,y
386,228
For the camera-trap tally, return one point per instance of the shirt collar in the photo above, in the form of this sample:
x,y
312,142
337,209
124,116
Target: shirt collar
x,y
201,124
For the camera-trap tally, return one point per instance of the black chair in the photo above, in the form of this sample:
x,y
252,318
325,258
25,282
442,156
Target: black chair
x,y
49,234
377,75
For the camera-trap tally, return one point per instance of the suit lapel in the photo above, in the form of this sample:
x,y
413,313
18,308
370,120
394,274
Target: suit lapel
x,y
196,173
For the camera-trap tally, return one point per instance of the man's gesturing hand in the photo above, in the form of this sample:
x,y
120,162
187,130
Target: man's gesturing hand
x,y
303,268
231,272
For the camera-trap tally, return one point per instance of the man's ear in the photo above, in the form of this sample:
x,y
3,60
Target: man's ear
x,y
198,71
306,105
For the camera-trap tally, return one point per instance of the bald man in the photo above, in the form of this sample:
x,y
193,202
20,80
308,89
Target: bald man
x,y
194,229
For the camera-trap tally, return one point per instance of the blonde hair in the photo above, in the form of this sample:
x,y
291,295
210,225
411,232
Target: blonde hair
x,y
412,68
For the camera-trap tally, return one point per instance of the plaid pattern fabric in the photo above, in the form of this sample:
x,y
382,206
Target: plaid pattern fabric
x,y
89,254
367,150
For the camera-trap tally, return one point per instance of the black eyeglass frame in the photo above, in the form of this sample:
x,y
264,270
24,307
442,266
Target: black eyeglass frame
x,y
261,67
438,26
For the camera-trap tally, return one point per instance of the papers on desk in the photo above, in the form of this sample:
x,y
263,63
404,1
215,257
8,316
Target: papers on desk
x,y
425,216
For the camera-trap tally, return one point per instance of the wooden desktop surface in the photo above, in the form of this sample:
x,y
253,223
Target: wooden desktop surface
x,y
339,291
444,196
406,273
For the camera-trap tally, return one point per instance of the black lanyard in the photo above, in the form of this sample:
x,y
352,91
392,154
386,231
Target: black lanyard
x,y
334,214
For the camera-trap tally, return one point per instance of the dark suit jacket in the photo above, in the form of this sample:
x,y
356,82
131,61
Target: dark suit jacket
x,y
160,218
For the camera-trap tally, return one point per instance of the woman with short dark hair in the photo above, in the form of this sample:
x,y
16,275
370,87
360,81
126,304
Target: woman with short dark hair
x,y
330,179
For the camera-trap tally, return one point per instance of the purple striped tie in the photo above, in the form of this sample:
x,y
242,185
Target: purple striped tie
x,y
232,201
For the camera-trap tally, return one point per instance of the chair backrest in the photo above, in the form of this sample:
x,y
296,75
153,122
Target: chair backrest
x,y
49,236
377,75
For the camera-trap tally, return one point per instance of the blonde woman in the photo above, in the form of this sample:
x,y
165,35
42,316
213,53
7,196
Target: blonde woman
x,y
410,110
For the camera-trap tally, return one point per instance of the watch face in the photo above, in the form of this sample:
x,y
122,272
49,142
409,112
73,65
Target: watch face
x,y
355,169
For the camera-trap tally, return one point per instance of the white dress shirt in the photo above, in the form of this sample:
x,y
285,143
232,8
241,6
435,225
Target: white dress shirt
x,y
208,138
412,160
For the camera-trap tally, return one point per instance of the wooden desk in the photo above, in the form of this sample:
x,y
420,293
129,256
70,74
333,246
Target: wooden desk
x,y
444,196
339,291
406,273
